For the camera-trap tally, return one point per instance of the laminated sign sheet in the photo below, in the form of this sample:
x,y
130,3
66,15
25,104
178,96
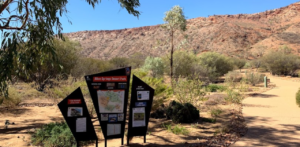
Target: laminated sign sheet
x,y
113,129
81,124
139,118
143,95
111,101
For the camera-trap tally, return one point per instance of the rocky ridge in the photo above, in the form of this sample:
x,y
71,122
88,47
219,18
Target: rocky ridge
x,y
241,35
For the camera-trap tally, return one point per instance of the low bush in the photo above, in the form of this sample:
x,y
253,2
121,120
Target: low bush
x,y
182,113
232,77
215,112
88,66
233,97
217,63
188,91
54,134
281,63
215,88
254,78
176,129
298,98
14,98
243,86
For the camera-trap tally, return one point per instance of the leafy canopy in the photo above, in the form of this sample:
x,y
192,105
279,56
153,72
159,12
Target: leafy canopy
x,y
175,19
28,29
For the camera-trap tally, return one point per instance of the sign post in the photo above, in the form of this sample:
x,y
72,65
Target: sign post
x,y
140,107
75,112
109,93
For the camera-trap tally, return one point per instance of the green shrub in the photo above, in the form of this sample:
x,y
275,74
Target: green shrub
x,y
298,98
216,63
247,64
243,86
254,78
182,113
155,65
68,54
232,77
14,98
88,66
281,63
215,112
66,87
120,62
137,60
188,91
176,129
184,63
257,63
215,88
239,63
233,97
54,134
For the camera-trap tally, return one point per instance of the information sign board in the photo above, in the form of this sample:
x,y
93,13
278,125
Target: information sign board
x,y
140,107
109,93
75,112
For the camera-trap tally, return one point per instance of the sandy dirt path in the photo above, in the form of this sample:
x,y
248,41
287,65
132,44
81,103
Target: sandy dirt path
x,y
273,118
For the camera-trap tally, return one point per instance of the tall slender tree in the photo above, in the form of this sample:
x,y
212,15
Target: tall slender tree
x,y
174,21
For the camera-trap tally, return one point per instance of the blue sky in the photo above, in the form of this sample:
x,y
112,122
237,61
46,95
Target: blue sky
x,y
108,15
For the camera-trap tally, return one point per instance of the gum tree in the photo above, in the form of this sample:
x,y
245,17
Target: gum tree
x,y
28,29
174,21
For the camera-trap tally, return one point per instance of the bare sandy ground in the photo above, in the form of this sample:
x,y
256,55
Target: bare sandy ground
x,y
273,118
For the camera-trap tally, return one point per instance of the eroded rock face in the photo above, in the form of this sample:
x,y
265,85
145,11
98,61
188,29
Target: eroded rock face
x,y
233,35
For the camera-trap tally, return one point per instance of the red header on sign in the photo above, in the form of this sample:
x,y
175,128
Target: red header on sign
x,y
74,101
110,79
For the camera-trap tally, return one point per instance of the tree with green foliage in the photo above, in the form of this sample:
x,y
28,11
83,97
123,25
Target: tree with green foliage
x,y
239,63
88,66
215,64
67,54
137,60
174,21
155,65
184,65
29,30
120,62
281,62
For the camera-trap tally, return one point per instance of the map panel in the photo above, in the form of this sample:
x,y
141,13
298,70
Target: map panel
x,y
111,101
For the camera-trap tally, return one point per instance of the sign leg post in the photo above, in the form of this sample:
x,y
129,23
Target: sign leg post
x,y
97,142
77,143
105,142
145,139
127,140
122,140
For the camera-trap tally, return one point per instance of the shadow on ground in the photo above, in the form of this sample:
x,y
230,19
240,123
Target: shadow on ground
x,y
15,111
265,135
261,95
